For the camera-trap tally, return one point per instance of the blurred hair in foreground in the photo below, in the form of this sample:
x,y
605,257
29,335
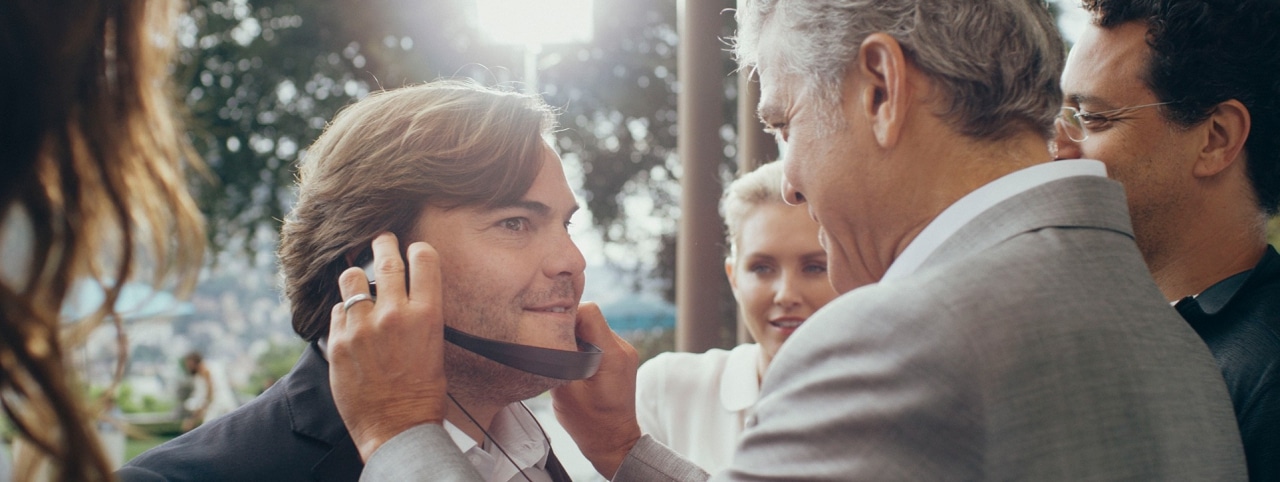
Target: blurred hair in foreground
x,y
95,187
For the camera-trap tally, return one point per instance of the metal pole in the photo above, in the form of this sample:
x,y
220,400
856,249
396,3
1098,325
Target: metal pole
x,y
755,147
700,282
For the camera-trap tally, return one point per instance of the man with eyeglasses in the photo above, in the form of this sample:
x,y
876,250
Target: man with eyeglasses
x,y
1181,100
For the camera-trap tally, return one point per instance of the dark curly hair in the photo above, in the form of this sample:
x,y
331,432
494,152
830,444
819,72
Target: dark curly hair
x,y
1205,52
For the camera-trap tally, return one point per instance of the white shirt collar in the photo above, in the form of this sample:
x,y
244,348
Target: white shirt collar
x,y
519,434
975,203
515,429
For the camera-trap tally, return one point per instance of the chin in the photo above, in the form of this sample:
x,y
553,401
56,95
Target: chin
x,y
474,378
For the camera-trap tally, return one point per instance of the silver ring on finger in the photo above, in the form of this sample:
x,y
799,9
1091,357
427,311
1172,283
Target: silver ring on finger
x,y
346,305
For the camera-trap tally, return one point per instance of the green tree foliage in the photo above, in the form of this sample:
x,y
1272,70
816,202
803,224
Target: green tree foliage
x,y
274,363
1273,231
130,403
263,76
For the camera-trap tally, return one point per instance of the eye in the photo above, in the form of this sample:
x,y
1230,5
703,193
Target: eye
x,y
778,129
815,268
515,224
1093,121
760,269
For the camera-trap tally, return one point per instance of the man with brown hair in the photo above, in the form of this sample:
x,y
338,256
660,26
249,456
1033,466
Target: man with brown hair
x,y
450,168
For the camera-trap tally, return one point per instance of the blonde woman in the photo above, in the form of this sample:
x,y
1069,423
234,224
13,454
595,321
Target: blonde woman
x,y
697,403
92,175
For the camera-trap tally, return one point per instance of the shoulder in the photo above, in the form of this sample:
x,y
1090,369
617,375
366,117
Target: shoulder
x,y
1256,310
1001,303
208,449
255,442
1248,348
683,369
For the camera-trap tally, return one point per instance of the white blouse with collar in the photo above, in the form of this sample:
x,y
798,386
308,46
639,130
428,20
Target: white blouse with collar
x,y
696,403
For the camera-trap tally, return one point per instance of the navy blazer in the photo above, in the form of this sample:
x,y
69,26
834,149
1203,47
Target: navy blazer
x,y
292,432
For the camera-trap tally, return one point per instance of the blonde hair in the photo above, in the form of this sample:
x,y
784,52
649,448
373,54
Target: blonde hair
x,y
382,159
756,188
95,172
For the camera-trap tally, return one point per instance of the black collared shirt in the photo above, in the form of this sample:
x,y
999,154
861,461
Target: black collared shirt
x,y
1239,318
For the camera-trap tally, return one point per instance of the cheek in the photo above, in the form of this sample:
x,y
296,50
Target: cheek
x,y
754,297
841,274
818,291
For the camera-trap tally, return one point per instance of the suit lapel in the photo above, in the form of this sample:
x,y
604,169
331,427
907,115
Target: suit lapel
x,y
1074,202
313,415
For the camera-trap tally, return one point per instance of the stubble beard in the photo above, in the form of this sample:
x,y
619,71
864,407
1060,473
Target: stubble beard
x,y
474,379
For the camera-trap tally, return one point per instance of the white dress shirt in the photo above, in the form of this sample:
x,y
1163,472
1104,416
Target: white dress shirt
x,y
513,427
519,434
971,205
696,403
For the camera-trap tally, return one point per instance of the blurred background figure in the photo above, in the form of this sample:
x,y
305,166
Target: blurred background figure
x,y
93,177
209,395
697,403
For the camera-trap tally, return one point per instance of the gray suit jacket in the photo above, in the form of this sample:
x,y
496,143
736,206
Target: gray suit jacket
x,y
1032,345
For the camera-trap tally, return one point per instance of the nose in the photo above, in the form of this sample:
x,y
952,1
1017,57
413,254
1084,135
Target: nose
x,y
1061,146
786,292
564,259
790,194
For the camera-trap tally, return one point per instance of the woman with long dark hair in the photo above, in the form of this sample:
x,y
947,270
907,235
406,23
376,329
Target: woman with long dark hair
x,y
94,180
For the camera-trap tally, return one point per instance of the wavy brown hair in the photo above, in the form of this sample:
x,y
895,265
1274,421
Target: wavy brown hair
x,y
377,165
95,186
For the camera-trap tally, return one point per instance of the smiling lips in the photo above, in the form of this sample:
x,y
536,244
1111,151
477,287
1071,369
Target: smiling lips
x,y
557,307
553,309
787,323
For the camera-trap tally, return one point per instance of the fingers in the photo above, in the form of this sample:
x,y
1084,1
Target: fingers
x,y
386,363
351,282
594,329
424,276
599,412
389,268
592,326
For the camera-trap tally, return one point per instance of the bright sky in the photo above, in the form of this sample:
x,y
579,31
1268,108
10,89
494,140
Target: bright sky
x,y
1073,19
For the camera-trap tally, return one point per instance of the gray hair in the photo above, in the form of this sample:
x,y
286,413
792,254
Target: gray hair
x,y
756,188
996,62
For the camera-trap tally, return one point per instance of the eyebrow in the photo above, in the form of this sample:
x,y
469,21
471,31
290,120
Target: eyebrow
x,y
768,112
814,255
536,207
757,256
1078,99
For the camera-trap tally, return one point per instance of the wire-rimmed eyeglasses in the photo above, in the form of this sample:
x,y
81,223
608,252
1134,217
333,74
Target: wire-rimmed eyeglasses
x,y
1077,123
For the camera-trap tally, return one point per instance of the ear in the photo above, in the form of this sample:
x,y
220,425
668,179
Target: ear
x,y
1228,128
353,255
728,273
877,85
